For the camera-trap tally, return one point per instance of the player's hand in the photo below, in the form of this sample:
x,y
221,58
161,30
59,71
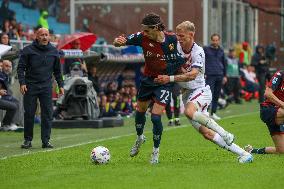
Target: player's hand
x,y
162,79
61,91
225,79
23,89
3,92
119,41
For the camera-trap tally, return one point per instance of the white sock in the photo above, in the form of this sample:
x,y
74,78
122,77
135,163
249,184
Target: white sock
x,y
140,137
233,148
209,123
155,150
195,124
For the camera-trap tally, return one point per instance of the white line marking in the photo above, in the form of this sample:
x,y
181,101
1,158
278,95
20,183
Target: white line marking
x,y
111,138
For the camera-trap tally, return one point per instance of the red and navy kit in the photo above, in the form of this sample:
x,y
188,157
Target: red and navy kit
x,y
160,59
268,109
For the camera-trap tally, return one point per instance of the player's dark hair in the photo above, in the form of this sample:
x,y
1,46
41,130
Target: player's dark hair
x,y
152,20
215,34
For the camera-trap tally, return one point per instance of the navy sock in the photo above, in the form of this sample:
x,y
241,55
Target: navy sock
x,y
157,129
258,151
140,120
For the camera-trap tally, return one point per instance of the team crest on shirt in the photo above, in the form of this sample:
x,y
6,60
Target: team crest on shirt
x,y
274,80
151,45
171,46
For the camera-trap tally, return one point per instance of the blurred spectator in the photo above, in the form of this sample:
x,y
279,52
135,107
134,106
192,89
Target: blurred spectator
x,y
5,12
215,71
133,95
76,44
112,87
12,54
7,101
128,77
92,76
42,21
76,70
86,26
21,35
124,106
261,65
106,110
14,28
8,29
4,39
233,86
270,52
245,55
249,76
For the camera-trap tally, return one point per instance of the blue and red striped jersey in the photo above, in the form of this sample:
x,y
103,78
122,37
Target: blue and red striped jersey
x,y
160,58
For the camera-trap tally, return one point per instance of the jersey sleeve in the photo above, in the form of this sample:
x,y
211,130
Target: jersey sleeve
x,y
198,59
135,39
276,81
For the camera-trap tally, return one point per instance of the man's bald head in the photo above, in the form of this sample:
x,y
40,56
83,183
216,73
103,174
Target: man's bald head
x,y
7,66
42,36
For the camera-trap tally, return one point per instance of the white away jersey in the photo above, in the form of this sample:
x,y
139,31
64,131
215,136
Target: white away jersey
x,y
195,59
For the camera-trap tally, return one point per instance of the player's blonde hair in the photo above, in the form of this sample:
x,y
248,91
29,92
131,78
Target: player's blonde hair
x,y
186,25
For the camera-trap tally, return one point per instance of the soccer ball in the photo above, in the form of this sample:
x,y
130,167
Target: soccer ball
x,y
100,155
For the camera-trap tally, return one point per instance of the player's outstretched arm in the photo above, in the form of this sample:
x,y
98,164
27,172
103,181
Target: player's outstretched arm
x,y
119,41
188,76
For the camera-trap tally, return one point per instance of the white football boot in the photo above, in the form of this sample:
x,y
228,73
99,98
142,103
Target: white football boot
x,y
155,156
245,158
135,148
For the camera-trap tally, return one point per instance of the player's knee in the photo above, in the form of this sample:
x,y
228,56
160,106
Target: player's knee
x,y
155,118
188,113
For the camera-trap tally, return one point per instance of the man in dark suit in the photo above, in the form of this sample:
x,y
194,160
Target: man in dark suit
x,y
38,62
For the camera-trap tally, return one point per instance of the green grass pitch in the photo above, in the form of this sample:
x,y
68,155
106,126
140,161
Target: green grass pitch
x,y
186,159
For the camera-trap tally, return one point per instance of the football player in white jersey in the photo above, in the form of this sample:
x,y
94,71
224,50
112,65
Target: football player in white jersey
x,y
196,95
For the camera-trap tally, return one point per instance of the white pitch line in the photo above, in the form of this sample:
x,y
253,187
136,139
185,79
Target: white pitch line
x,y
110,138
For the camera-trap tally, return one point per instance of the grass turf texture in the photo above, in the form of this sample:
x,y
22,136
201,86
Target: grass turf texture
x,y
186,159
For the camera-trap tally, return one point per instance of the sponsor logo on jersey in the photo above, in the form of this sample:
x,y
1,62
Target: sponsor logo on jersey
x,y
274,80
151,45
171,56
171,47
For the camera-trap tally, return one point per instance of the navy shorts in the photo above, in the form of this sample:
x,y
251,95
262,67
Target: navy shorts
x,y
149,90
268,115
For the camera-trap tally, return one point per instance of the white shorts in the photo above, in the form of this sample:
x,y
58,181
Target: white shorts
x,y
201,97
